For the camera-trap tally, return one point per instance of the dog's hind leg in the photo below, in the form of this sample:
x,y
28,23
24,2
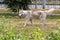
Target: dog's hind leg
x,y
44,19
31,20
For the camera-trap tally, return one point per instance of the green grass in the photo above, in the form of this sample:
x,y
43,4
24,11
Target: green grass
x,y
11,27
5,10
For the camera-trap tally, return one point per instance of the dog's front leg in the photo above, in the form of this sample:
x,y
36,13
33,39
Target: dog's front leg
x,y
26,20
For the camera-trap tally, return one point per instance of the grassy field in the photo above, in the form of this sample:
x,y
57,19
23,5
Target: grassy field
x,y
11,27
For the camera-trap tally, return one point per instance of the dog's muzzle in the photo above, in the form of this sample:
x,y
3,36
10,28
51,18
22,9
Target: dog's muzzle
x,y
20,15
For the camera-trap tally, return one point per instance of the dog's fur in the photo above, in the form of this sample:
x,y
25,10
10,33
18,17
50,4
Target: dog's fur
x,y
30,14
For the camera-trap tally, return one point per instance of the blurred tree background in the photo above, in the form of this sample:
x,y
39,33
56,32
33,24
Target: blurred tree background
x,y
17,4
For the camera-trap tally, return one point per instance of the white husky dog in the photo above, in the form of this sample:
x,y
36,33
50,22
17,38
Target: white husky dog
x,y
30,14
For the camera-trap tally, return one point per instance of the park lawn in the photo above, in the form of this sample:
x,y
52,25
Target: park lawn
x,y
5,10
11,20
11,27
